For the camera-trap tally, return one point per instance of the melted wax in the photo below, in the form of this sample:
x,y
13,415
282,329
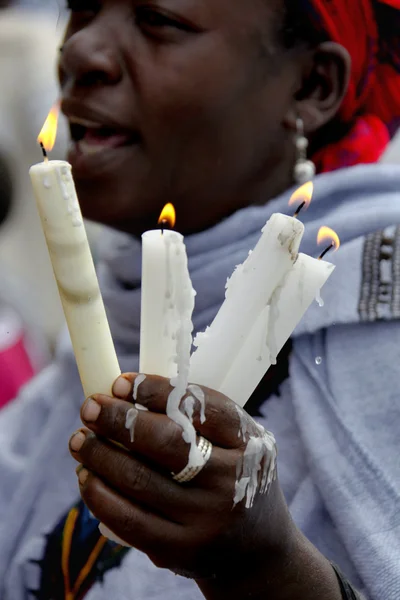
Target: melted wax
x,y
257,469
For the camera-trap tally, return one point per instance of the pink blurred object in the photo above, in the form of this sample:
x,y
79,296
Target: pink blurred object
x,y
15,363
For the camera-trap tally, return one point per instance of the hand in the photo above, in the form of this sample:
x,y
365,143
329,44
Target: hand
x,y
192,528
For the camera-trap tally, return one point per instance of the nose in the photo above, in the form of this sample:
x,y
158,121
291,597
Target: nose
x,y
89,57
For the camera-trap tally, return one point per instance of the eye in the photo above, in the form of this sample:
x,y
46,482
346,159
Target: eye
x,y
151,19
83,6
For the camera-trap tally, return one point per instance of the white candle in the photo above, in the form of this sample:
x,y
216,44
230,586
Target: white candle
x,y
247,294
274,326
166,322
75,275
162,252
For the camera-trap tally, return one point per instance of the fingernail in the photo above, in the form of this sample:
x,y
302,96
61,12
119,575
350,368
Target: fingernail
x,y
82,476
122,387
90,410
77,440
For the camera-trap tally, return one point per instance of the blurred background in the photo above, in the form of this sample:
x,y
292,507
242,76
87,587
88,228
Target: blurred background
x,y
30,313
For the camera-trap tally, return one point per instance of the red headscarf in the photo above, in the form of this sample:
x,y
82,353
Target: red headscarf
x,y
370,31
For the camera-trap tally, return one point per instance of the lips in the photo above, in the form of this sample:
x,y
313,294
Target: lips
x,y
91,137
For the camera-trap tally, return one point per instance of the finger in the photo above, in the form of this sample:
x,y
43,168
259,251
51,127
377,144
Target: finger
x,y
215,416
134,479
155,437
139,527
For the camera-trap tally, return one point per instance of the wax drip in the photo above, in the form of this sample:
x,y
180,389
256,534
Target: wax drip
x,y
111,536
318,299
68,192
244,428
139,379
201,336
183,295
199,395
188,407
130,421
257,469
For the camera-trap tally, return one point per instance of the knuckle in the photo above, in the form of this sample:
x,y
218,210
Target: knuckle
x,y
213,417
127,522
139,477
153,392
95,453
89,493
117,417
89,447
171,438
146,392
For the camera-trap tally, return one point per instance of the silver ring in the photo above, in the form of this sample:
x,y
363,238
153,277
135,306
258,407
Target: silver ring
x,y
188,473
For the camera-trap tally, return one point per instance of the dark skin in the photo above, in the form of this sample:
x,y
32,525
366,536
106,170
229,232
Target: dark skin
x,y
192,529
202,101
197,103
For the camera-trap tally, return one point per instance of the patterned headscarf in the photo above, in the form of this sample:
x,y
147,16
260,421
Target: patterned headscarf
x,y
370,31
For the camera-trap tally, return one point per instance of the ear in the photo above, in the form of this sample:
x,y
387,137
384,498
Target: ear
x,y
324,83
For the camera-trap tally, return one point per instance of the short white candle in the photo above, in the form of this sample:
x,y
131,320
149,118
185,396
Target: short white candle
x,y
274,326
247,293
75,275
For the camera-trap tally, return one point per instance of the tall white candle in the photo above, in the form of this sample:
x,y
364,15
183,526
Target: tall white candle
x,y
162,279
75,275
247,293
274,326
166,322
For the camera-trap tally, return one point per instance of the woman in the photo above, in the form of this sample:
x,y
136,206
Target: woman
x,y
207,104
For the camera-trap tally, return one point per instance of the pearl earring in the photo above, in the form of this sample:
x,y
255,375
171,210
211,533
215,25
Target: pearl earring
x,y
304,169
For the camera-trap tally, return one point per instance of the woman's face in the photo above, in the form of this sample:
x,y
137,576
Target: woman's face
x,y
176,101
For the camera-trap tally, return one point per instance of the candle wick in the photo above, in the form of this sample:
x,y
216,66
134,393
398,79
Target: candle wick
x,y
325,252
46,158
164,224
298,211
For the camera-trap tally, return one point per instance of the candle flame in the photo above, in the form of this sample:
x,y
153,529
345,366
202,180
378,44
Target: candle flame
x,y
48,133
326,234
168,216
302,195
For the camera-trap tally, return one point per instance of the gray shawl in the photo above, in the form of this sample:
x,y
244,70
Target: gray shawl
x,y
336,421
